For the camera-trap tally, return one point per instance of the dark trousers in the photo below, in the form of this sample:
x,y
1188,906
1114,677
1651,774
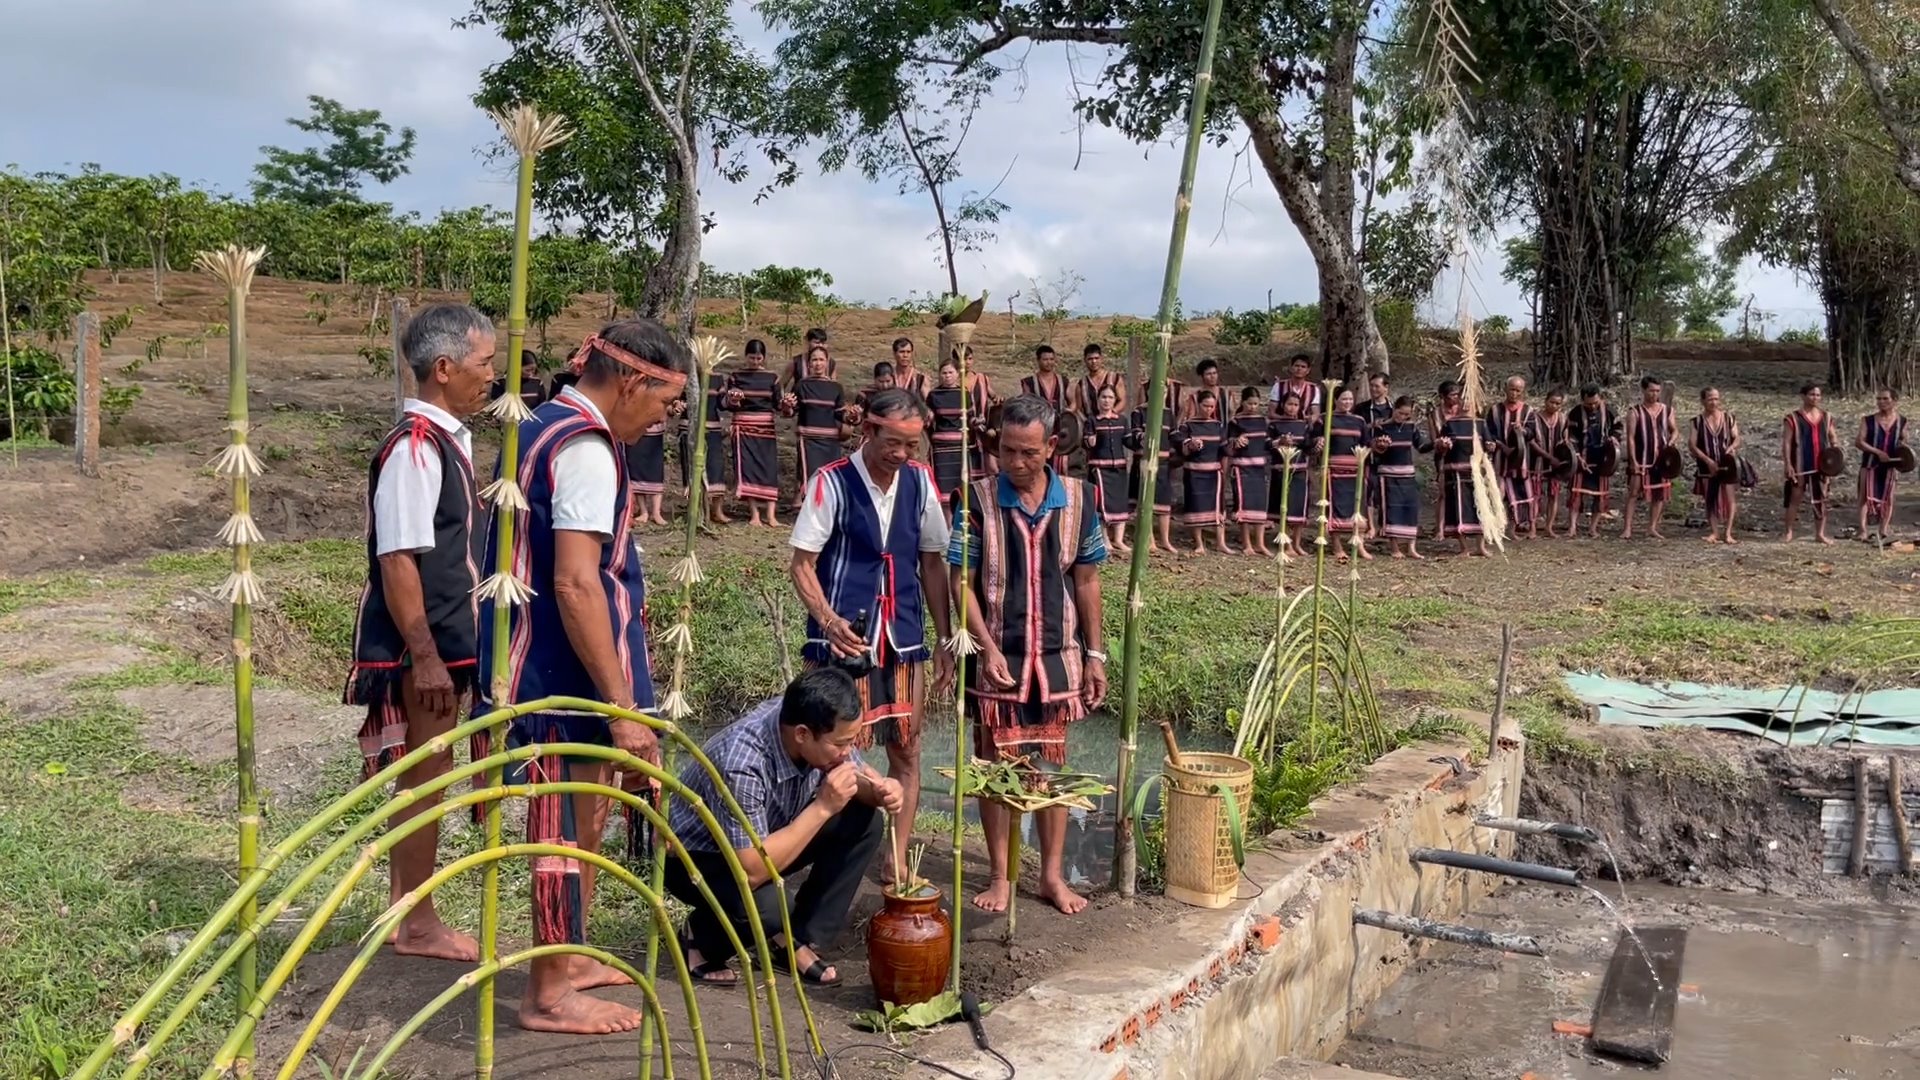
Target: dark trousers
x,y
838,856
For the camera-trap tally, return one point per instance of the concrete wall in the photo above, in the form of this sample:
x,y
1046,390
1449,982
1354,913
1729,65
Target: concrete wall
x,y
1223,995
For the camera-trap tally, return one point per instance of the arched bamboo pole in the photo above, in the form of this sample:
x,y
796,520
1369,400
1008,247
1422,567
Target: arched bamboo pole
x,y
247,893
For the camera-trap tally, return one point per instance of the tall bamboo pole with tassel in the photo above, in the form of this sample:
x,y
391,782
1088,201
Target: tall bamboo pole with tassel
x,y
708,354
1125,866
530,134
956,331
234,267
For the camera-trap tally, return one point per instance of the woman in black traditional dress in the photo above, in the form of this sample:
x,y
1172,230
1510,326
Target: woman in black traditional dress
x,y
1459,513
1882,433
1346,433
716,436
949,437
1287,471
647,471
819,410
1203,447
1106,439
1247,454
1162,539
1716,465
1397,446
753,396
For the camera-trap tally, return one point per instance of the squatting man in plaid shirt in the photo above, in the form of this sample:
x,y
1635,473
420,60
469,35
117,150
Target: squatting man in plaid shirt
x,y
790,765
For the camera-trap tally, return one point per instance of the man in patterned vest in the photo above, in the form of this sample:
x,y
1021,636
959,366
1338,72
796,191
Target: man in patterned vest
x,y
870,541
413,640
1033,540
582,634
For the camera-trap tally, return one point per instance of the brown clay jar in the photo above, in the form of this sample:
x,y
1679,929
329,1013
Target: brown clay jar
x,y
909,947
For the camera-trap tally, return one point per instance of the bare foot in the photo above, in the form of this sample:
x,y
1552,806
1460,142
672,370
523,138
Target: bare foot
x,y
1656,534
1787,539
994,896
1396,553
578,1014
1730,539
435,940
1711,539
1825,539
1363,552
1416,555
586,973
1057,894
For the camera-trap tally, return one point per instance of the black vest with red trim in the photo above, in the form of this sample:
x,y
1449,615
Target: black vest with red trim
x,y
448,573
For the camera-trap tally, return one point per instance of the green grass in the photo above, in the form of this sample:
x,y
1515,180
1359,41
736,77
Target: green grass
x,y
38,591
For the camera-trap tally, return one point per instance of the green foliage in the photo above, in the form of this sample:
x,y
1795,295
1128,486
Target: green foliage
x,y
1127,327
355,148
904,319
43,388
1682,290
1252,327
1803,335
1494,327
1298,319
795,285
1398,326
1402,253
890,1018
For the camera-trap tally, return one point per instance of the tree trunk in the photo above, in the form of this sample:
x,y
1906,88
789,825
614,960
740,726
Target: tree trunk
x,y
1332,249
157,247
1873,316
1343,322
673,281
928,181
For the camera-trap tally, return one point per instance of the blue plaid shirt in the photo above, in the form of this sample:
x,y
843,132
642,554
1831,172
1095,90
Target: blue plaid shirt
x,y
1093,540
771,788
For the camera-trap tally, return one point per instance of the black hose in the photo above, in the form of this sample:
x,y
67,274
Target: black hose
x,y
1486,864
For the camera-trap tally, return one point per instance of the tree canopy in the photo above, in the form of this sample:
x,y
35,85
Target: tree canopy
x,y
356,147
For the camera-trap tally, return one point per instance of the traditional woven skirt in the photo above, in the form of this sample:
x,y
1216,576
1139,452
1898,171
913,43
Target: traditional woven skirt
x,y
1643,485
1032,728
887,695
1459,516
716,458
1112,489
1343,493
946,465
816,452
1814,485
1295,496
1250,491
1399,501
1201,484
1162,486
756,459
1715,492
647,465
559,911
1548,490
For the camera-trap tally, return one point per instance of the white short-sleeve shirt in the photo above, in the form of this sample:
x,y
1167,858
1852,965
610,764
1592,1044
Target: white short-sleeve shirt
x,y
821,507
407,490
586,480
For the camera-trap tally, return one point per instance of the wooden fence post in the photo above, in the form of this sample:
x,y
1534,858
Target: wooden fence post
x,y
86,393
1133,372
402,374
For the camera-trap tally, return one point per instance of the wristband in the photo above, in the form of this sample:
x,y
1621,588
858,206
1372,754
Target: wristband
x,y
1095,654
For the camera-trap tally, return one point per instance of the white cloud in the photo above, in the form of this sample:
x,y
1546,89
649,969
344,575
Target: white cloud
x,y
194,87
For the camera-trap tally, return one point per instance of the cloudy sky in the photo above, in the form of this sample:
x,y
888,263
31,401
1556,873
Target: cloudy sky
x,y
195,87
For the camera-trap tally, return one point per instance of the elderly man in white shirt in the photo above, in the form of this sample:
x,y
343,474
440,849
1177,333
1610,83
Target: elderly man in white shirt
x,y
870,545
414,638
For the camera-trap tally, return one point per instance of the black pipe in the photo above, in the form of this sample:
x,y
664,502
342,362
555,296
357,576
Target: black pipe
x,y
1466,860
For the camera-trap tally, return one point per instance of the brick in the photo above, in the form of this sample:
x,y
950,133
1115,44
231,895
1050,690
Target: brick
x,y
1130,1032
1153,1014
1265,934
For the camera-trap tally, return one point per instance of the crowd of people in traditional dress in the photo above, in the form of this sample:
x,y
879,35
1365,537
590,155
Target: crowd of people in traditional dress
x,y
1242,471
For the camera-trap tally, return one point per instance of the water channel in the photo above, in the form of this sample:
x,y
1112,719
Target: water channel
x,y
1771,989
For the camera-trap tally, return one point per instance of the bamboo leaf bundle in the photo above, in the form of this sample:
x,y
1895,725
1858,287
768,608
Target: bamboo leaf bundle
x,y
1487,503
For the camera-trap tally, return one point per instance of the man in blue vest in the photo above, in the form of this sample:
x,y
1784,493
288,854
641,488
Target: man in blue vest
x,y
413,638
583,634
870,544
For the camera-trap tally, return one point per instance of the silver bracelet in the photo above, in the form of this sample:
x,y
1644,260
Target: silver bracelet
x,y
1095,654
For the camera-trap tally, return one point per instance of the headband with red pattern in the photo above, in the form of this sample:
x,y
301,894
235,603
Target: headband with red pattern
x,y
596,343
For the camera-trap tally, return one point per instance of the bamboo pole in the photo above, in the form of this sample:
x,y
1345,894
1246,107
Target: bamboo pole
x,y
530,134
234,267
1125,865
953,337
708,354
1016,821
1323,483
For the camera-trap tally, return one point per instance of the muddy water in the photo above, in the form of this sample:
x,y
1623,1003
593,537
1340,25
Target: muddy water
x,y
1771,989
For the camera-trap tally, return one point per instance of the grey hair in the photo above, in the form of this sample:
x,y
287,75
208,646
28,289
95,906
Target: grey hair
x,y
1028,409
439,330
897,404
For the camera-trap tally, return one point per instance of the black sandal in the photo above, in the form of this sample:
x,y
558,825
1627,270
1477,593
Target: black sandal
x,y
701,972
814,973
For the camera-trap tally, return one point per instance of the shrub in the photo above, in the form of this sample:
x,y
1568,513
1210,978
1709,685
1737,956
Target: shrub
x,y
1806,335
1495,327
1398,327
1253,327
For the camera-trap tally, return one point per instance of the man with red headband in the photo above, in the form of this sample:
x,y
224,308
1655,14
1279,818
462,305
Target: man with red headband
x,y
870,544
581,634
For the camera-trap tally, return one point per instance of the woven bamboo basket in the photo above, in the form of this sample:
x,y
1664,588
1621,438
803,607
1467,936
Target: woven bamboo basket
x,y
1201,869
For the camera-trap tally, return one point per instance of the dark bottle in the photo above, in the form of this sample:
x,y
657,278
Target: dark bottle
x,y
860,665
